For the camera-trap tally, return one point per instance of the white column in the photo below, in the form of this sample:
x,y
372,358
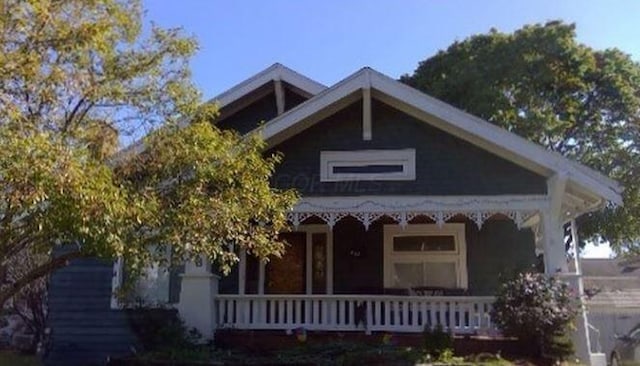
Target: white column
x,y
279,91
197,295
366,114
555,256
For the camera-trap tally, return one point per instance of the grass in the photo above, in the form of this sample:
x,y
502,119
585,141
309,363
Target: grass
x,y
17,359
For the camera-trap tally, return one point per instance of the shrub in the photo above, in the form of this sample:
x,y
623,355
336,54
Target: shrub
x,y
437,343
163,335
537,308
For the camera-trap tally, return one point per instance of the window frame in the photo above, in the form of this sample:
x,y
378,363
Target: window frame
x,y
359,158
117,281
457,256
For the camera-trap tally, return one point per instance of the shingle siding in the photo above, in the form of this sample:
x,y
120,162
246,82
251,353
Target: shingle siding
x,y
262,110
497,251
251,116
445,165
85,331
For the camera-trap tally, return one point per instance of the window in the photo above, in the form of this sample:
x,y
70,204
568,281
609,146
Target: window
x,y
425,255
152,288
367,165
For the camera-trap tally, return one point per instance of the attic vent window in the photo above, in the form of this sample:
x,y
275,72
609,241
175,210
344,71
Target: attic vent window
x,y
372,165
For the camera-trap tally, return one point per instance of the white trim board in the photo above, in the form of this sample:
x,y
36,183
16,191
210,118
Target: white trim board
x,y
275,72
405,158
445,117
458,256
421,203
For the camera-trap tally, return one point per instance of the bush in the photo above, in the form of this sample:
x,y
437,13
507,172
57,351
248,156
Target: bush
x,y
537,308
437,343
163,335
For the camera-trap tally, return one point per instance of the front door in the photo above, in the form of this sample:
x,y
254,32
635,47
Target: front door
x,y
306,267
286,275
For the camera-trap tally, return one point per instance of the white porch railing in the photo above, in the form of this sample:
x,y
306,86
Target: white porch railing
x,y
457,314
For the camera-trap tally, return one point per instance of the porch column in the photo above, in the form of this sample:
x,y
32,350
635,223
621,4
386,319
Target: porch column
x,y
555,256
555,261
197,307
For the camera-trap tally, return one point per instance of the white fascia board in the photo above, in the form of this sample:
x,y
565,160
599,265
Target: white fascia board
x,y
311,106
589,178
274,72
421,203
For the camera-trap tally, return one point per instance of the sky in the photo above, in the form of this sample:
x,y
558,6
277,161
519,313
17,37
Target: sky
x,y
329,39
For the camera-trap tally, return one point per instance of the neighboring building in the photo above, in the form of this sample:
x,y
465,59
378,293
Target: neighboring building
x,y
412,212
612,287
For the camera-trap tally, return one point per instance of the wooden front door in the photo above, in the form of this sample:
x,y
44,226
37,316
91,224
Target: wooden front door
x,y
286,275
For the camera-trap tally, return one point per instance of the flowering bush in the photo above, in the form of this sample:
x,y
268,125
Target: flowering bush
x,y
537,308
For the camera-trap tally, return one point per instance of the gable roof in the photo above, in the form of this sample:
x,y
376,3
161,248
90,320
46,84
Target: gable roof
x,y
277,71
441,115
274,72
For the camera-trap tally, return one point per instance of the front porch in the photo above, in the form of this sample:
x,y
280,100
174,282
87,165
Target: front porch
x,y
385,265
363,265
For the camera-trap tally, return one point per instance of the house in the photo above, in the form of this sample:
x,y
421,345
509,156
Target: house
x,y
612,289
412,211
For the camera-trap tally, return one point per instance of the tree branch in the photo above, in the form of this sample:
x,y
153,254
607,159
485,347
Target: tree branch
x,y
38,272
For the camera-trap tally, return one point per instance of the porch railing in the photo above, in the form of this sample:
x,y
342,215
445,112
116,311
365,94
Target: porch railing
x,y
456,314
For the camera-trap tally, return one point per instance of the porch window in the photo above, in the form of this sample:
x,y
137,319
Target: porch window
x,y
425,255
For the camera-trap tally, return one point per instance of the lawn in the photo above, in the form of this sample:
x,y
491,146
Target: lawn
x,y
17,359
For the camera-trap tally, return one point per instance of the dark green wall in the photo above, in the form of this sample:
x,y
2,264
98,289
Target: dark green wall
x,y
84,329
262,110
357,274
498,250
251,116
445,165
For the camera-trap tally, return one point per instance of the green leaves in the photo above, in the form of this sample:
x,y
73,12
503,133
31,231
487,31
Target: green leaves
x,y
213,192
75,77
534,307
540,83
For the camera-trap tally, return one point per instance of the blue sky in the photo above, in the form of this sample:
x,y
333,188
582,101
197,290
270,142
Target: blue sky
x,y
330,39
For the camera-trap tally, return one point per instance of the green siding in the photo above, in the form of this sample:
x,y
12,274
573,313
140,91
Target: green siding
x,y
262,110
445,165
498,251
84,329
251,116
357,274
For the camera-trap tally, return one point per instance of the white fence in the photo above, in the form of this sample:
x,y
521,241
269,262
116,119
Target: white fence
x,y
457,314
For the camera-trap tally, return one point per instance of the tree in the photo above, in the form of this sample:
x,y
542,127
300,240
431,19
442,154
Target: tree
x,y
540,83
75,77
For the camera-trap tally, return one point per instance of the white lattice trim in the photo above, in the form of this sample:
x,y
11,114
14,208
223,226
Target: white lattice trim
x,y
403,218
403,209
